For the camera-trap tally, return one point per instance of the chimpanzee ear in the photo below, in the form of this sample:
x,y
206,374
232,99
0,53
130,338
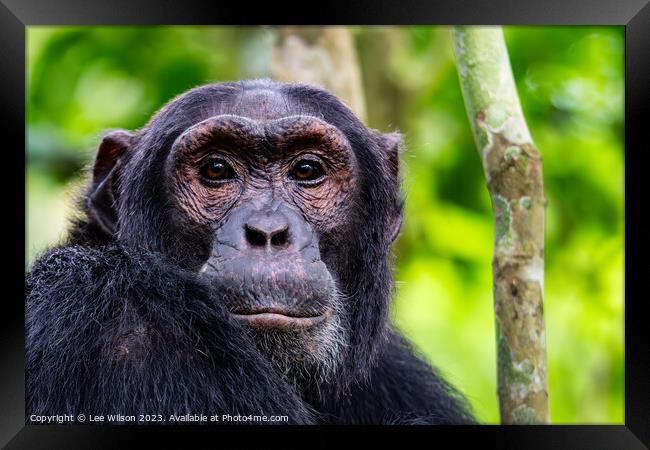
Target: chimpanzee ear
x,y
103,189
391,143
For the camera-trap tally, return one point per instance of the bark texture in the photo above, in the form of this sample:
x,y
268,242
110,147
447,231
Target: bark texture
x,y
513,168
322,56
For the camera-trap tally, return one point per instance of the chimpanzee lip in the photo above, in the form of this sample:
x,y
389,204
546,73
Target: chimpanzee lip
x,y
275,317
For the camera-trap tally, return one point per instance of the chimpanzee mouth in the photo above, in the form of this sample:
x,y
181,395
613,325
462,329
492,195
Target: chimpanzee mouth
x,y
274,317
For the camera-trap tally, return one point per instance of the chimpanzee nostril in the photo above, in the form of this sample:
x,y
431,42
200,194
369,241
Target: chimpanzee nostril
x,y
280,238
254,237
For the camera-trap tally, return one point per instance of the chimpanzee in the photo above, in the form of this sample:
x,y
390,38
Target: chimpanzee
x,y
233,257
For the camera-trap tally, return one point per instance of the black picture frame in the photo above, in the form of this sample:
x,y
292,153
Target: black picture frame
x,y
16,15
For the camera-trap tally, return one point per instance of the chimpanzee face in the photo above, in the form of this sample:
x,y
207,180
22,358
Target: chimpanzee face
x,y
266,190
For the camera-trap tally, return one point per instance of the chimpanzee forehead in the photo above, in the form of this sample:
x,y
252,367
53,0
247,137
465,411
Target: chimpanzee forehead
x,y
260,100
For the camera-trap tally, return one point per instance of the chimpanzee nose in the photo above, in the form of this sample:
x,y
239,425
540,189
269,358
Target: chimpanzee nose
x,y
267,228
274,229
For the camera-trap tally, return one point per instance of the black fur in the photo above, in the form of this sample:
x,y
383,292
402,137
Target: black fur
x,y
97,291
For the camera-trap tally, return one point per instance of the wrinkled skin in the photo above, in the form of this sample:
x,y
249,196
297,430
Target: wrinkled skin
x,y
233,257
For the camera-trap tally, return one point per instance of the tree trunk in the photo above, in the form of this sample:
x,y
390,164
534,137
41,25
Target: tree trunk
x,y
322,56
513,168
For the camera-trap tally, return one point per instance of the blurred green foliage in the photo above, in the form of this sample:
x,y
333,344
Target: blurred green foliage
x,y
83,80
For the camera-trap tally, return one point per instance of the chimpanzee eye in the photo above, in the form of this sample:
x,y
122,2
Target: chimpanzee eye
x,y
307,170
217,170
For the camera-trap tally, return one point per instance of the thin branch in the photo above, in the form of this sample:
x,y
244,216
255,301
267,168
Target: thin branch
x,y
513,168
